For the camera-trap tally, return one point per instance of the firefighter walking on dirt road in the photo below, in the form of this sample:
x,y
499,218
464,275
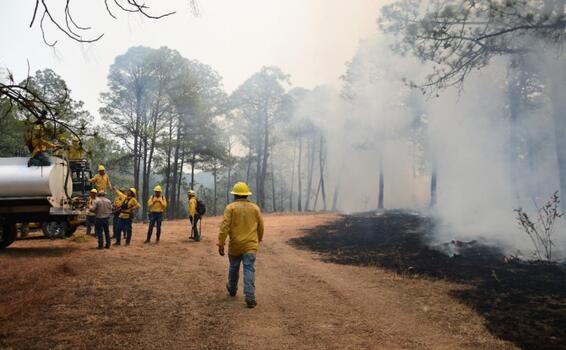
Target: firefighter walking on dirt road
x,y
244,225
194,215
157,205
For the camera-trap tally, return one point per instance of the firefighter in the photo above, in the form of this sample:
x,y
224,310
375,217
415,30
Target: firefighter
x,y
157,205
244,225
194,216
127,212
102,208
101,180
91,216
38,144
116,205
76,151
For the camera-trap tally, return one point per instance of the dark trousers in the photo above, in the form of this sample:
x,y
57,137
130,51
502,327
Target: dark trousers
x,y
194,225
40,159
125,226
154,220
90,223
115,225
102,225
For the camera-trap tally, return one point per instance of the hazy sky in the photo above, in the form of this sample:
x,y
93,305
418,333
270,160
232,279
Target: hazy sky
x,y
311,40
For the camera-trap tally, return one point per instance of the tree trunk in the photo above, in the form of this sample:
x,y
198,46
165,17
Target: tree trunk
x,y
249,166
265,159
172,199
310,171
214,175
433,182
193,161
274,199
229,180
293,176
335,198
300,189
322,161
168,166
180,183
381,187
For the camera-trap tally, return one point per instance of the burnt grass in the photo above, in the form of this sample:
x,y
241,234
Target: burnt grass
x,y
521,302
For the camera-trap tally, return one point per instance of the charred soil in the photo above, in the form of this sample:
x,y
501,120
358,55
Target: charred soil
x,y
521,302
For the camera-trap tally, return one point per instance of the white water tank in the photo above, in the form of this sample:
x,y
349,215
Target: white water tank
x,y
19,180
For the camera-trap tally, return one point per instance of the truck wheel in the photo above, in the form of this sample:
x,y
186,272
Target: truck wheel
x,y
8,233
54,229
71,229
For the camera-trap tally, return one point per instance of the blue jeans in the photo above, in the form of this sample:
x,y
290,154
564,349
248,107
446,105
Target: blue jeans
x,y
124,225
248,260
154,220
102,225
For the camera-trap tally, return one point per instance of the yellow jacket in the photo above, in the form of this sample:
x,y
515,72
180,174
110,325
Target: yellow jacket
x,y
39,144
157,204
76,153
120,196
244,225
131,205
192,206
101,182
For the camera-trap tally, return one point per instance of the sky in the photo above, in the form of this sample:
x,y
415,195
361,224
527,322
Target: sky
x,y
310,40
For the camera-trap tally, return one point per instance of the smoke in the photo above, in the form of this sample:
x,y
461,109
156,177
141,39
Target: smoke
x,y
488,160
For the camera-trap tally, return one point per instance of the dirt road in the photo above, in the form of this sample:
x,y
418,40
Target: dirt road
x,y
68,295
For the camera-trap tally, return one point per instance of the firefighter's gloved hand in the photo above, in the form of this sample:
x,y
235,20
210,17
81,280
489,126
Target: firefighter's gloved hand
x,y
221,250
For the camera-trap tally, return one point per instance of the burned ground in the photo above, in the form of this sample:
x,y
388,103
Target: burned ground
x,y
524,303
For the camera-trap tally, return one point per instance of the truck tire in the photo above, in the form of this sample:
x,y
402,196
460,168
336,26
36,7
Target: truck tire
x,y
54,229
8,233
71,229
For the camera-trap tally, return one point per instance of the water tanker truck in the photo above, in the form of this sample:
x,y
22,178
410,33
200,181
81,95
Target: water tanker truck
x,y
54,195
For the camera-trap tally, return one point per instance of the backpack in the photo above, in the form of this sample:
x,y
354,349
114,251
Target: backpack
x,y
201,207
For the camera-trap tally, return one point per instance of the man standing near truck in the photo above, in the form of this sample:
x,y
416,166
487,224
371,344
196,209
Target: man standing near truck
x,y
102,208
101,180
244,225
90,215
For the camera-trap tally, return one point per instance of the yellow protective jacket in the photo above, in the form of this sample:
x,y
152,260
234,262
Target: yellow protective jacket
x,y
244,225
39,144
130,204
157,204
192,206
120,196
76,153
101,182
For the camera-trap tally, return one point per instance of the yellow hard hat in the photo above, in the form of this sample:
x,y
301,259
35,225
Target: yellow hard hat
x,y
101,167
157,188
134,191
241,189
191,193
93,190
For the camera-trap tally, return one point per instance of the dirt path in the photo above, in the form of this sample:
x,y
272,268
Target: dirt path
x,y
68,295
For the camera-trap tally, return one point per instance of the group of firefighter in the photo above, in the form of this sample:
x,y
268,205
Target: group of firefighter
x,y
242,220
123,208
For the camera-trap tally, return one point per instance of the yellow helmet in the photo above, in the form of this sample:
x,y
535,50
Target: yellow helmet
x,y
191,193
93,190
157,188
101,168
241,189
134,191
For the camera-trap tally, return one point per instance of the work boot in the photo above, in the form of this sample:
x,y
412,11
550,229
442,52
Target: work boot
x,y
232,293
251,303
99,247
117,243
146,241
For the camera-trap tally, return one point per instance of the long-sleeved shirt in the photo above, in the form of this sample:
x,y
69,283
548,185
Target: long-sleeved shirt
x,y
157,204
102,207
120,196
244,225
90,204
101,182
127,207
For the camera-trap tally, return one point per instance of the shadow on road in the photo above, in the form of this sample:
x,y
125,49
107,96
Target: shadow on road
x,y
26,252
524,303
